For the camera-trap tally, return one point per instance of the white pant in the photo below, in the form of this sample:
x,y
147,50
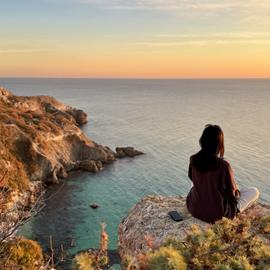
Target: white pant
x,y
247,197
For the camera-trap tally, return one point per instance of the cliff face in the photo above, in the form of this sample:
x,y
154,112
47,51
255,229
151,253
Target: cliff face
x,y
149,218
40,140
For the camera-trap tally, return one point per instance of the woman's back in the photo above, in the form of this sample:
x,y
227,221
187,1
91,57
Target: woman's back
x,y
214,193
207,199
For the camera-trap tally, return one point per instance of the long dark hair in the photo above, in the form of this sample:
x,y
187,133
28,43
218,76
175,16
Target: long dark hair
x,y
212,149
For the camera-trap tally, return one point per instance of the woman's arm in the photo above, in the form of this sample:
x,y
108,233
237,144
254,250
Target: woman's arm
x,y
231,185
190,172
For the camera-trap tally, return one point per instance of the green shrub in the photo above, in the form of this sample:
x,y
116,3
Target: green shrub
x,y
228,245
22,254
91,260
166,258
84,261
236,263
94,259
264,225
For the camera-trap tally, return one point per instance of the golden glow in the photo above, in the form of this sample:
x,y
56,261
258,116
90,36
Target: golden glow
x,y
189,61
135,38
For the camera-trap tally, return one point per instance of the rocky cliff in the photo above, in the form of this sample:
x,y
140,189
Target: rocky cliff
x,y
149,218
40,141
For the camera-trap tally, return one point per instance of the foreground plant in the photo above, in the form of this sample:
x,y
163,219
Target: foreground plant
x,y
166,258
94,259
21,254
239,244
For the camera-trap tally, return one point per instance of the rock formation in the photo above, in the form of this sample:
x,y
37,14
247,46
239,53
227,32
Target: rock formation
x,y
40,140
122,152
149,217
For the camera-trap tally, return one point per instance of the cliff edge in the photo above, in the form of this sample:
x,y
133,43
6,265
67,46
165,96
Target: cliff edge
x,y
41,141
149,218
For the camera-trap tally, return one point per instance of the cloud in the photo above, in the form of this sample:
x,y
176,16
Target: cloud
x,y
5,51
240,11
202,43
226,35
180,5
174,40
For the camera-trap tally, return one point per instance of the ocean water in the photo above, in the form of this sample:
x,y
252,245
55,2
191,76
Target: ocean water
x,y
163,118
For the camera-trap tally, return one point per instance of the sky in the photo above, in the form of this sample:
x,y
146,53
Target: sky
x,y
135,38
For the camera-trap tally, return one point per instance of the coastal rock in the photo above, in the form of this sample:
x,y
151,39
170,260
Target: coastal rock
x,y
98,153
79,115
94,205
149,217
122,152
89,165
40,141
17,206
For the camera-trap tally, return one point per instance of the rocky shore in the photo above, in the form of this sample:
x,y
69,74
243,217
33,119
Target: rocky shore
x,y
149,218
41,142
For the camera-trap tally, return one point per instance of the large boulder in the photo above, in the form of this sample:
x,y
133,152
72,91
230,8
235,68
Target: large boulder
x,y
122,152
79,115
89,165
149,218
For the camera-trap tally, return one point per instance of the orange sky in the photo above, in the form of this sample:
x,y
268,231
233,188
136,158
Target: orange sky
x,y
136,39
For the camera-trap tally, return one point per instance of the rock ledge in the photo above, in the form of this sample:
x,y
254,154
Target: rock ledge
x,y
149,217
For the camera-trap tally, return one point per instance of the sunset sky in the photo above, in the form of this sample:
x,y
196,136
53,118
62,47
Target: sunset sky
x,y
135,38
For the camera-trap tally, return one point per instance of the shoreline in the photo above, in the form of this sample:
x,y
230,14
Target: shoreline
x,y
41,142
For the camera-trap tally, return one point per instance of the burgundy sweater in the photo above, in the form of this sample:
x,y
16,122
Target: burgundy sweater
x,y
214,193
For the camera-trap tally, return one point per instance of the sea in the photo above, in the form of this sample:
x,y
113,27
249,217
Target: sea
x,y
164,119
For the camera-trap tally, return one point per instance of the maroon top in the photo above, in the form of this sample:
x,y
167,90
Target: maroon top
x,y
214,193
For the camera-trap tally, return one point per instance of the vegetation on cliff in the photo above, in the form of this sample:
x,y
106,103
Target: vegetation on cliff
x,y
239,244
21,254
94,259
40,142
34,131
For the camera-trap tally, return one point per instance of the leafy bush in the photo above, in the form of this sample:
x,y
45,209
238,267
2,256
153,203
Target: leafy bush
x,y
264,225
21,254
85,261
239,244
166,258
94,259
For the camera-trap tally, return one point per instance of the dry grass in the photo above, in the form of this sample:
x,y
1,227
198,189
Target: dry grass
x,y
24,120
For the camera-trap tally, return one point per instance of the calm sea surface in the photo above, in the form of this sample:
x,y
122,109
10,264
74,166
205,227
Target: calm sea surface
x,y
163,118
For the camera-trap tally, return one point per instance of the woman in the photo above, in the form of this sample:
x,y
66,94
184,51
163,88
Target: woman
x,y
214,193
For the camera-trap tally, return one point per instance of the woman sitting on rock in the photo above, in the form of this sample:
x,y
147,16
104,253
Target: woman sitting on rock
x,y
214,193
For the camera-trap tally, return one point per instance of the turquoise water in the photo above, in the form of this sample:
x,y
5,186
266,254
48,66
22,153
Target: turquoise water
x,y
163,118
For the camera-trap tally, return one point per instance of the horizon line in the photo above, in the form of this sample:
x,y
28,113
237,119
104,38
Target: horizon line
x,y
136,78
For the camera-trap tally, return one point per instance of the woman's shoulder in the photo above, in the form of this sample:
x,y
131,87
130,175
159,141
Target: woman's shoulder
x,y
191,158
194,157
225,163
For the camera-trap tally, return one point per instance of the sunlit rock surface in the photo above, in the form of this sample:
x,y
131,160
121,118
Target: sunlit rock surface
x,y
40,141
149,218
